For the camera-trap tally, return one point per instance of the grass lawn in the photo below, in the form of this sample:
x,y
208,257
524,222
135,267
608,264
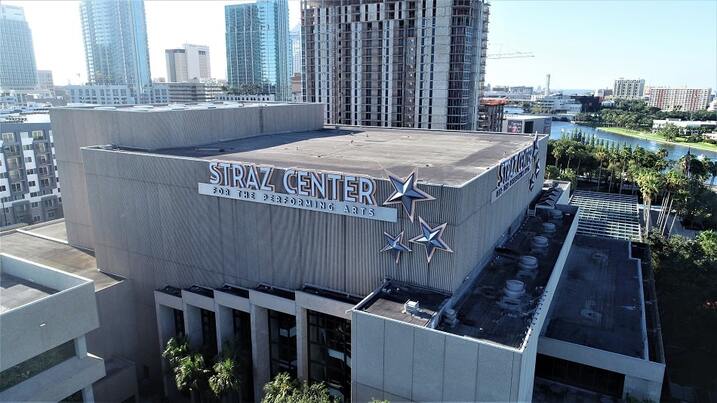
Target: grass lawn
x,y
657,138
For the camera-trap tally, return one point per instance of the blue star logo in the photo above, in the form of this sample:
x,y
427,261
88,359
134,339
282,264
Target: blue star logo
x,y
406,193
431,238
395,244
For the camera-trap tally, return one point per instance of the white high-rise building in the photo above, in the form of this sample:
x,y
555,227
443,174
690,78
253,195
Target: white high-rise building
x,y
683,99
295,50
628,88
190,62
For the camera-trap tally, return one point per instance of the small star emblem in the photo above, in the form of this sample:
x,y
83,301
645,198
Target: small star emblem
x,y
431,238
406,193
394,244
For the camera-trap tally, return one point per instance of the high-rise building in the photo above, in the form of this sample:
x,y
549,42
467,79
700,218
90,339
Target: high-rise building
x,y
44,80
396,64
190,62
295,51
683,99
17,56
628,89
29,186
257,40
115,37
546,90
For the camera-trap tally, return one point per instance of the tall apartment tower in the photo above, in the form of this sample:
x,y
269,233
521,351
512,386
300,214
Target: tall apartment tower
x,y
190,62
628,89
295,51
395,63
115,36
546,90
17,56
679,99
257,40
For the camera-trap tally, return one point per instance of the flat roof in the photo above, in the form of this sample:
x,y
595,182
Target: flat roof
x,y
598,302
440,157
607,215
525,117
488,310
56,254
174,106
389,302
16,291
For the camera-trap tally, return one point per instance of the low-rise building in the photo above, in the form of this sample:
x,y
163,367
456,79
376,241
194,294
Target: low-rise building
x,y
193,91
29,183
684,125
116,94
490,114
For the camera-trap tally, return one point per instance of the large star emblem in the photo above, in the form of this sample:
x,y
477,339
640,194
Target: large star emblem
x,y
406,193
431,238
395,244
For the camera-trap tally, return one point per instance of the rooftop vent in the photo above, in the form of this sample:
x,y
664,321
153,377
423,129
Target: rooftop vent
x,y
556,214
512,299
514,288
451,317
411,307
548,227
528,262
539,242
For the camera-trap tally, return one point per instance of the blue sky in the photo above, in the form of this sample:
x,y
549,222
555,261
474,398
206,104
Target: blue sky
x,y
583,44
587,44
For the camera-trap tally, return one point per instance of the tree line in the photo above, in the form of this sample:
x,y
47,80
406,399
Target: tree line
x,y
637,115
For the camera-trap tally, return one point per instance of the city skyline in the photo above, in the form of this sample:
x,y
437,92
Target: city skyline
x,y
558,50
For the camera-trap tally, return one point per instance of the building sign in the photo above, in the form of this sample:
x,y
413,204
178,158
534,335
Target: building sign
x,y
511,170
515,126
328,192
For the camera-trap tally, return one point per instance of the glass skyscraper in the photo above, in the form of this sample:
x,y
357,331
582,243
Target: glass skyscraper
x,y
115,35
257,40
17,56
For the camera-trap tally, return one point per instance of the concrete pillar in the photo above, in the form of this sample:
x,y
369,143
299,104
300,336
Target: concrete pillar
x,y
88,395
260,349
193,325
302,344
81,347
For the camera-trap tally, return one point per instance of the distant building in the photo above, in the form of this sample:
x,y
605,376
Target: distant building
x,y
295,51
603,92
246,97
393,64
628,89
257,45
98,94
556,104
296,95
115,37
682,99
490,114
516,93
713,105
29,185
44,80
191,62
528,124
588,103
189,92
17,55
684,125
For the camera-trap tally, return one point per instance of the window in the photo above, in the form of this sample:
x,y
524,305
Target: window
x,y
282,341
330,353
16,187
8,137
31,183
29,368
178,323
2,188
34,204
35,218
45,182
28,159
242,335
50,214
38,135
209,332
582,376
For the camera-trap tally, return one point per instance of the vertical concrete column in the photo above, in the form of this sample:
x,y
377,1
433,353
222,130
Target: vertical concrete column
x,y
260,349
225,325
88,395
81,347
302,344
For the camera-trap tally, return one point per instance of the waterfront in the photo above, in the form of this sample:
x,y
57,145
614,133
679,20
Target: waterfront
x,y
674,151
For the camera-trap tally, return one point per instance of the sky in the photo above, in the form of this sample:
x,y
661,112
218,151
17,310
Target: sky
x,y
583,44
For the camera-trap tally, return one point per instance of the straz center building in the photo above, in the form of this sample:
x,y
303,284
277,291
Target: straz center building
x,y
408,265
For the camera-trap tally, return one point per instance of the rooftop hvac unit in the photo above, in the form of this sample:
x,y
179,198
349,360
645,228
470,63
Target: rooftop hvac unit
x,y
411,307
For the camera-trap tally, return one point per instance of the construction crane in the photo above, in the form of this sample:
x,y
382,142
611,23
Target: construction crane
x,y
509,55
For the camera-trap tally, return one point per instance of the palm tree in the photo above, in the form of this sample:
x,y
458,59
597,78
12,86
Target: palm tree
x,y
650,183
225,380
176,349
284,389
191,374
711,169
601,156
280,389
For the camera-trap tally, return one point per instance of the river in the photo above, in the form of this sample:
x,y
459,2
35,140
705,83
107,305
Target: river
x,y
674,152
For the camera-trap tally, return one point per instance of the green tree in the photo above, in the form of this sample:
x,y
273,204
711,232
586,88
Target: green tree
x,y
284,389
650,183
191,374
708,242
224,380
669,132
175,349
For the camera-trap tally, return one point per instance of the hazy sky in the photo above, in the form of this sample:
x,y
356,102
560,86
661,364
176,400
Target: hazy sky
x,y
582,44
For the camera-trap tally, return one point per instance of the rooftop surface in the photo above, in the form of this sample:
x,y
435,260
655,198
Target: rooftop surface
x,y
598,302
16,291
173,106
57,255
389,303
490,310
448,158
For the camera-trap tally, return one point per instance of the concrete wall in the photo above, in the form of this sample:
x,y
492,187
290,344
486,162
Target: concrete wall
x,y
46,323
397,361
78,127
